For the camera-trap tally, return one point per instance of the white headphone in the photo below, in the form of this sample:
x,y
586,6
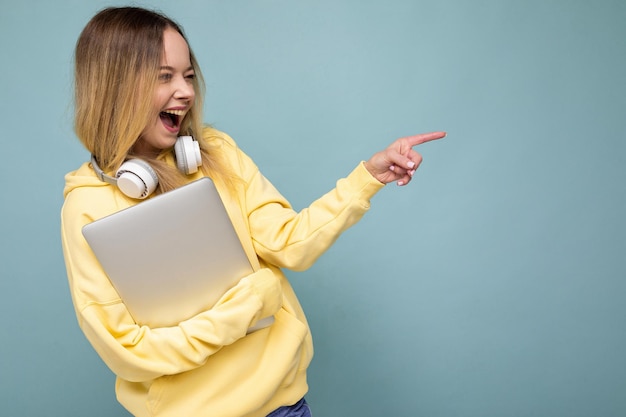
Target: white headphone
x,y
136,178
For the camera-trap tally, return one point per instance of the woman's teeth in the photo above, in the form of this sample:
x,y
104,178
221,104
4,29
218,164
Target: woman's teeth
x,y
176,112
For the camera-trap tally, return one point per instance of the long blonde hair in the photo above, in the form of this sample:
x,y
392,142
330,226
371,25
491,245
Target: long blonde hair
x,y
117,61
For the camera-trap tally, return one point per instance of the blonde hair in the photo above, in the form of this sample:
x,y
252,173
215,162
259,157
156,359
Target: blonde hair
x,y
117,61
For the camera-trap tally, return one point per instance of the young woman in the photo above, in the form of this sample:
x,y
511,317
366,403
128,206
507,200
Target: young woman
x,y
138,88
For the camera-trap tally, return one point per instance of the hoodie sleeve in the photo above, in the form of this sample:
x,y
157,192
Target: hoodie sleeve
x,y
139,353
295,240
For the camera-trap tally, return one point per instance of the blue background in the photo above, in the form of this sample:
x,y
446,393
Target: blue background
x,y
494,285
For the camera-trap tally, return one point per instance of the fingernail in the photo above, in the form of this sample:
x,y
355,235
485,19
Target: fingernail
x,y
411,172
400,183
392,168
411,164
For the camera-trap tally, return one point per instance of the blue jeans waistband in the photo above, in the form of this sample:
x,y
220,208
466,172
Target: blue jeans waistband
x,y
299,409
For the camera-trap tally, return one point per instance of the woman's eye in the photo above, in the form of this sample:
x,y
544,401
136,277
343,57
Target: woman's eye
x,y
190,76
165,77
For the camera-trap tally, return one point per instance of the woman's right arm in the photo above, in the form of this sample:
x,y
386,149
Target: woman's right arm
x,y
139,353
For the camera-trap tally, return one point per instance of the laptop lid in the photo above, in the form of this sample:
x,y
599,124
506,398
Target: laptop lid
x,y
172,256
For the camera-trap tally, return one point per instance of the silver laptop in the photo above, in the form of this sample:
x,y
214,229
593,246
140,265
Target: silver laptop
x,y
170,257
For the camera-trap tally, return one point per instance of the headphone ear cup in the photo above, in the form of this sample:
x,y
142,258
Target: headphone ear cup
x,y
188,156
136,179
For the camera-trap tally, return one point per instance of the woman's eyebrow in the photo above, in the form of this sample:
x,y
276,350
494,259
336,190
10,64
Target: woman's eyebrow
x,y
169,68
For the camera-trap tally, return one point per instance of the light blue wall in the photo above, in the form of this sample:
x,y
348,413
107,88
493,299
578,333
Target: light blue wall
x,y
494,285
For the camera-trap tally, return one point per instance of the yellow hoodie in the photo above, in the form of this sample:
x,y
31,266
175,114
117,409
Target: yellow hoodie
x,y
208,365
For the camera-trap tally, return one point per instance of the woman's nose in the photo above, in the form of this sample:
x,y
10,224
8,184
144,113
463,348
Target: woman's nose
x,y
183,88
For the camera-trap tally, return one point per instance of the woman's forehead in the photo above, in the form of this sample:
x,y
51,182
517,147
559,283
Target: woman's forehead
x,y
175,50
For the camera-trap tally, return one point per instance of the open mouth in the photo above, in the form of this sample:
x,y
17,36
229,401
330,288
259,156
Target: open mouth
x,y
171,119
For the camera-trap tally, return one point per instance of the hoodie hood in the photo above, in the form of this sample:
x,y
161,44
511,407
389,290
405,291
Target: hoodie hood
x,y
85,176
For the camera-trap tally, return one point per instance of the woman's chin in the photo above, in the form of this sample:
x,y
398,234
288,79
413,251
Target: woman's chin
x,y
152,146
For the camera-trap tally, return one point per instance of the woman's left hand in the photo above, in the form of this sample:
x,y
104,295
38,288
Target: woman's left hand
x,y
399,161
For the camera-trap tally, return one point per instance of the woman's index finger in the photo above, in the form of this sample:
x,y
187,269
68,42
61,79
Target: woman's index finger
x,y
424,137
